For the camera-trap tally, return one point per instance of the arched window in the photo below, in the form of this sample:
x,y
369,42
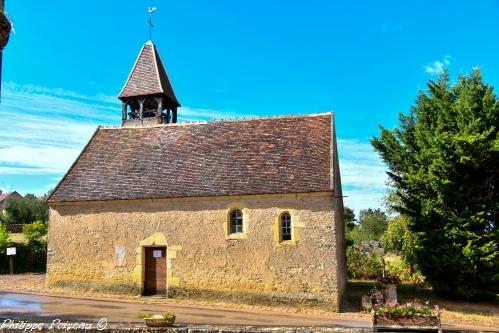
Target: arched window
x,y
285,227
236,221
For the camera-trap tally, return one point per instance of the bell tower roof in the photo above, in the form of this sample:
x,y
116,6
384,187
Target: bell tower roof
x,y
148,77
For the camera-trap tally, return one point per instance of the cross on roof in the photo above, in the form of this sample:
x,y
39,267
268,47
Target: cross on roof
x,y
151,11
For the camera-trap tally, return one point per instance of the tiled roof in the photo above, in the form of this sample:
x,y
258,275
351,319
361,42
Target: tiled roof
x,y
4,196
148,76
256,156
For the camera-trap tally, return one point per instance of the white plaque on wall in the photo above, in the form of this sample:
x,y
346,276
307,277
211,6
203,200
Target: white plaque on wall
x,y
120,255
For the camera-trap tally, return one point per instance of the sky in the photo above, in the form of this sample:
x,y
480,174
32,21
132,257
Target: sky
x,y
365,60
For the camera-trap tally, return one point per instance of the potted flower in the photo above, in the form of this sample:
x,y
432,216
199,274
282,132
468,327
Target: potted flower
x,y
165,319
406,316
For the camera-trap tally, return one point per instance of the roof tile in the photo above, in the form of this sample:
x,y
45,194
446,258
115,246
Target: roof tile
x,y
256,156
148,76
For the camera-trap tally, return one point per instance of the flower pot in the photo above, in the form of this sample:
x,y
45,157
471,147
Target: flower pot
x,y
159,321
410,322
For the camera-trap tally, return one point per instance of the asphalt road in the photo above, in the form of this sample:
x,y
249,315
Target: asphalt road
x,y
23,306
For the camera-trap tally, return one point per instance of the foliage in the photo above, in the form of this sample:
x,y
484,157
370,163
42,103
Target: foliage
x,y
28,258
363,265
169,315
35,232
144,315
4,238
399,239
403,272
27,209
349,218
442,162
372,225
411,308
36,243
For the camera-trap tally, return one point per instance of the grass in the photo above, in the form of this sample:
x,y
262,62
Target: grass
x,y
20,239
17,238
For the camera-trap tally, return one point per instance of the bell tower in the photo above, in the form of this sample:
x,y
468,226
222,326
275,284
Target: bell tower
x,y
147,96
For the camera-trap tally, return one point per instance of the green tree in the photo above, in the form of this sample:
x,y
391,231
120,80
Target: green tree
x,y
399,239
27,209
37,242
372,224
349,218
4,238
443,167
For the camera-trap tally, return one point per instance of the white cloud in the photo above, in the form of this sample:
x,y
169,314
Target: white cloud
x,y
24,159
438,66
363,175
43,131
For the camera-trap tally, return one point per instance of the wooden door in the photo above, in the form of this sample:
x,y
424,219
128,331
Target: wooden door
x,y
155,271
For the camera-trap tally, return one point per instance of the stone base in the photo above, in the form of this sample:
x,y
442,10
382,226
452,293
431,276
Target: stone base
x,y
201,329
100,287
292,300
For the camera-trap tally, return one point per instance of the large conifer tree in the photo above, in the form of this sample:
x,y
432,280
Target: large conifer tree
x,y
443,162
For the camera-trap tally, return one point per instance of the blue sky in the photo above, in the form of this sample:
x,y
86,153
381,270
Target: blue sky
x,y
365,60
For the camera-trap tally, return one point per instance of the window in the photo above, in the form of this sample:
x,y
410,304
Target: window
x,y
285,227
236,221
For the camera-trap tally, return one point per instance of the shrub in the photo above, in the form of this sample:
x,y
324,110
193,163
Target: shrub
x,y
27,259
400,240
4,238
402,271
35,232
169,315
145,315
364,265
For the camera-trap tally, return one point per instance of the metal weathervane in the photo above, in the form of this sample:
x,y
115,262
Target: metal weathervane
x,y
151,11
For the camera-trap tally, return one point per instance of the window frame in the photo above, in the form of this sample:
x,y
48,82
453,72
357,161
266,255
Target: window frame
x,y
285,232
236,223
296,226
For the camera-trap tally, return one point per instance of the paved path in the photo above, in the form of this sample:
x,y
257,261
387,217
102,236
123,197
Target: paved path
x,y
22,306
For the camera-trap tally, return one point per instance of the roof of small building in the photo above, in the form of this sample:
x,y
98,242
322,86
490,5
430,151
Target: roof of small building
x,y
148,76
291,154
5,196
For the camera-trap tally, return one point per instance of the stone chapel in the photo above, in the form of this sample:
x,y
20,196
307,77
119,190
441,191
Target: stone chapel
x,y
245,209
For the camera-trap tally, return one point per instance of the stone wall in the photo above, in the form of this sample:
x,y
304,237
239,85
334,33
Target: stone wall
x,y
83,241
338,211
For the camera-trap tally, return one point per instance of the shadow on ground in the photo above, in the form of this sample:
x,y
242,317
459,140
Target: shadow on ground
x,y
351,301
